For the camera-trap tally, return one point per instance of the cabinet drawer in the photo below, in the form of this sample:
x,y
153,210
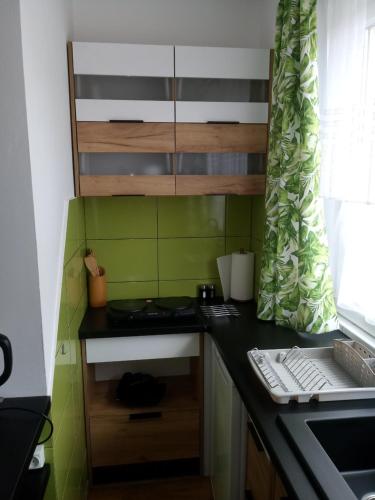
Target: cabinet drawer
x,y
144,437
180,345
98,137
221,138
104,110
122,59
197,112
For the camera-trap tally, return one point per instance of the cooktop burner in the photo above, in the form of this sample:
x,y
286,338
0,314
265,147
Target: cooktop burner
x,y
122,311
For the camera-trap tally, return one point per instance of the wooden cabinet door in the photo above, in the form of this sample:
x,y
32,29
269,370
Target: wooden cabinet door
x,y
260,473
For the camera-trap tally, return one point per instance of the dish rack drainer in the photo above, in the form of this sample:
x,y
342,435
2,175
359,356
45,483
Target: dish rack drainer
x,y
344,371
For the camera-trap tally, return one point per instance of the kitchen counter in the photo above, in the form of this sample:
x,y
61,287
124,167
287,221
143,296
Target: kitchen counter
x,y
19,435
233,337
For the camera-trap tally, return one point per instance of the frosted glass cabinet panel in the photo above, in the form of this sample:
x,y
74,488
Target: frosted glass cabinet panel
x,y
221,90
125,164
220,164
123,87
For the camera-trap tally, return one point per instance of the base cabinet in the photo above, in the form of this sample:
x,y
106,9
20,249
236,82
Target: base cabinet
x,y
262,480
165,433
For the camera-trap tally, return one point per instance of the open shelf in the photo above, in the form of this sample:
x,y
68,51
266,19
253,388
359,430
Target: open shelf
x,y
180,395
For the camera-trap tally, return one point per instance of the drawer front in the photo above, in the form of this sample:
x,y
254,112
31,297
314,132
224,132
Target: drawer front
x,y
122,59
144,437
104,110
220,138
242,112
98,137
180,345
222,62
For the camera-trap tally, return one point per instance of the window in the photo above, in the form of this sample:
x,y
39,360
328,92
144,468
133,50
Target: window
x,y
347,95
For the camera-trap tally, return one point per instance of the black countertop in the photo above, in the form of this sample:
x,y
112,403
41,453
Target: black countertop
x,y
233,337
19,435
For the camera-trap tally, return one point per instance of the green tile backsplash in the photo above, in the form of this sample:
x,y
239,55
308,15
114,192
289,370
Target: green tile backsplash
x,y
163,246
149,247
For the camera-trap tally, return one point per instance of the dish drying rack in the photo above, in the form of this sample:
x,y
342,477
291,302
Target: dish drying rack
x,y
341,372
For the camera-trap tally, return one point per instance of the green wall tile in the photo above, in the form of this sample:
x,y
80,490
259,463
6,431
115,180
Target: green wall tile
x,y
189,258
258,214
191,216
132,290
185,287
120,217
75,278
62,384
63,447
127,260
50,493
238,215
236,243
75,230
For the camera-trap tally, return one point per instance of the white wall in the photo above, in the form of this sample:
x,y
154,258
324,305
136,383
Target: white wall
x,y
20,316
232,23
46,27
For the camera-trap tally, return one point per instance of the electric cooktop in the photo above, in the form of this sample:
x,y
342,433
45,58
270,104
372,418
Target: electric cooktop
x,y
167,309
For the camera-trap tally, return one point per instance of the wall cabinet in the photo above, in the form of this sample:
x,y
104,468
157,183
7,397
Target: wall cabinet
x,y
119,435
164,120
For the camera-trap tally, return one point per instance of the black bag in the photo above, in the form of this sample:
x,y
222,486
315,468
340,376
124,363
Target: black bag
x,y
140,389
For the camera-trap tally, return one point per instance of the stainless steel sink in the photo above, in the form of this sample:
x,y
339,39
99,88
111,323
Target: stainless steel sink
x,y
337,449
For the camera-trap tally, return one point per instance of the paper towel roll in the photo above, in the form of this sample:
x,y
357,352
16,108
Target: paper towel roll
x,y
242,276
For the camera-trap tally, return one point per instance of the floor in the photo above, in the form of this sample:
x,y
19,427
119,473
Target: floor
x,y
189,488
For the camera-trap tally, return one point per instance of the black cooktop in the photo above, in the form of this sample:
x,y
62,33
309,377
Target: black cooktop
x,y
169,308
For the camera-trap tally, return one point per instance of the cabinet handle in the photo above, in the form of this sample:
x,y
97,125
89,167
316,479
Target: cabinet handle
x,y
223,123
255,437
145,415
126,121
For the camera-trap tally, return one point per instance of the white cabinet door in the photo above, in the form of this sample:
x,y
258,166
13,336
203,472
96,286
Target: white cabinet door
x,y
228,422
123,59
222,62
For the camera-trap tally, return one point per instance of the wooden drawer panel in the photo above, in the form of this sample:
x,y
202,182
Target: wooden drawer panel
x,y
220,184
103,110
117,185
196,112
99,137
221,138
119,440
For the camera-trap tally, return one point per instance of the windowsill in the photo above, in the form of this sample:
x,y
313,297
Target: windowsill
x,y
356,333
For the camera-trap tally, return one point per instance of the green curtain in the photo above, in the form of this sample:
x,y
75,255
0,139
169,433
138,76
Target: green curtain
x,y
295,284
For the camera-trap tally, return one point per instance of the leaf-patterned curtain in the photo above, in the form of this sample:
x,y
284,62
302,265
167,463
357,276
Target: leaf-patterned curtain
x,y
295,283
